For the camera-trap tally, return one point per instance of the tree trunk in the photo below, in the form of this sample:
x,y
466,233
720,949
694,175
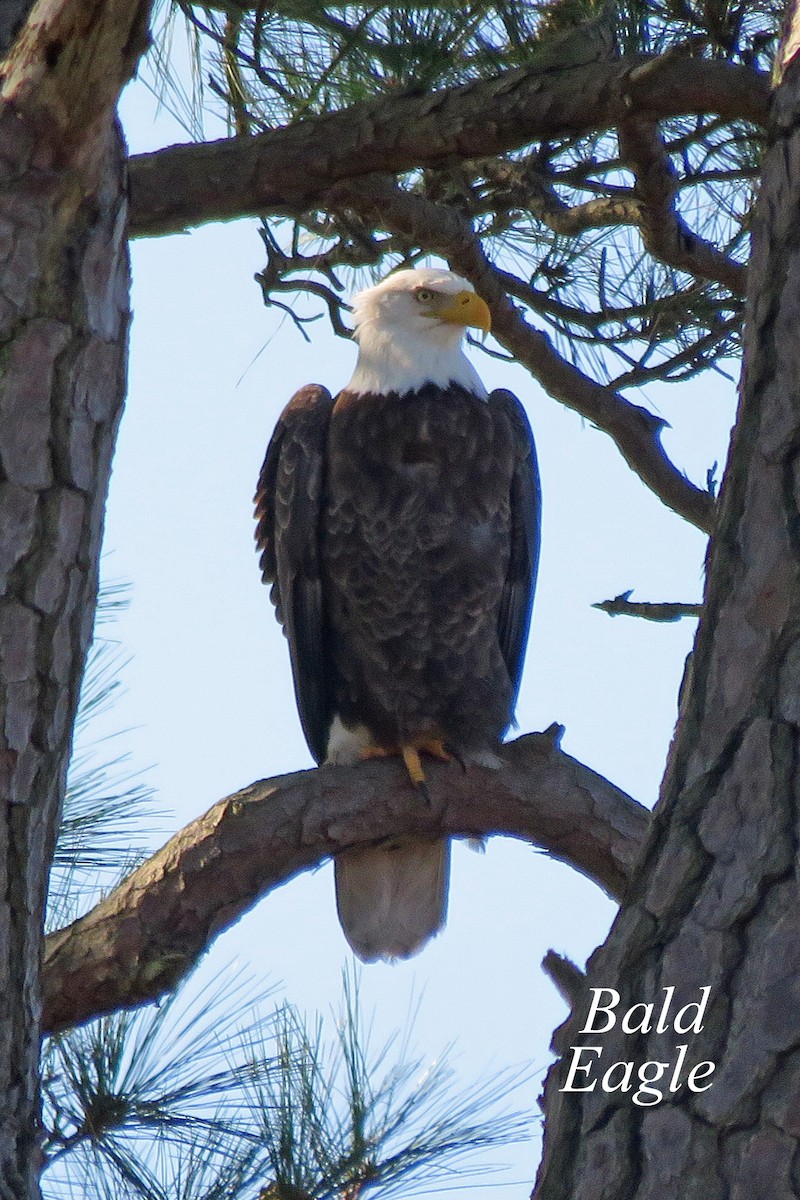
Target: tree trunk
x,y
716,902
63,329
64,321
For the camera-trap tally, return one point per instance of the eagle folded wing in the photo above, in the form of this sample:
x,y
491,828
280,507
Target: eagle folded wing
x,y
288,504
517,598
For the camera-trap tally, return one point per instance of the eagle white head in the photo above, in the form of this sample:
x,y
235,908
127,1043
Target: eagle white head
x,y
410,329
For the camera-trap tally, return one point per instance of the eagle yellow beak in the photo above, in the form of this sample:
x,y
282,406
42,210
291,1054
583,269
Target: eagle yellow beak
x,y
468,309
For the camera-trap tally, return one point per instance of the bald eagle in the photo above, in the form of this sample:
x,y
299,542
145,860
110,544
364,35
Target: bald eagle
x,y
398,524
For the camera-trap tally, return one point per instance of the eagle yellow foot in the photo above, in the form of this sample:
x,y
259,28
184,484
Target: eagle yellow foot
x,y
435,747
410,754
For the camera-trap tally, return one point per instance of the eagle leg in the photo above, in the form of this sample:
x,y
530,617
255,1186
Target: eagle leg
x,y
411,758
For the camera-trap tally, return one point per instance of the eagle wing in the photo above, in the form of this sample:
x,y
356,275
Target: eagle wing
x,y
526,502
288,508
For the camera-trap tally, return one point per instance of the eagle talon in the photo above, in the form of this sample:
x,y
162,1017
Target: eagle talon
x,y
410,754
415,772
425,792
454,756
436,748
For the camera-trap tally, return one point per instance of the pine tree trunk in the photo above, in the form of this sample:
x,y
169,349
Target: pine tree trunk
x,y
64,286
63,341
716,902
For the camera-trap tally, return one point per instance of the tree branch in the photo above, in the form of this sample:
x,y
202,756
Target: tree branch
x,y
684,363
138,942
666,611
635,430
569,220
664,232
569,979
525,184
294,166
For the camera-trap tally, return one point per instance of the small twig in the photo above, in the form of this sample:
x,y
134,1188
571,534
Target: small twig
x,y
297,320
623,606
273,279
568,978
695,358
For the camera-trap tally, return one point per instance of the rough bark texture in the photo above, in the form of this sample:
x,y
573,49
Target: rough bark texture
x,y
716,902
564,93
63,327
63,363
138,942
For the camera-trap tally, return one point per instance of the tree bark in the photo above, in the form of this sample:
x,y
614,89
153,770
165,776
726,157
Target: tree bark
x,y
716,903
561,94
63,351
63,343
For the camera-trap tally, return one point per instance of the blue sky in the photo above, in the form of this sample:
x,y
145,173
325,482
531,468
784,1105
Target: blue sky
x,y
208,697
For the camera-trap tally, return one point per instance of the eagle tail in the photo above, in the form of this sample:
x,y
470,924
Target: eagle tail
x,y
392,898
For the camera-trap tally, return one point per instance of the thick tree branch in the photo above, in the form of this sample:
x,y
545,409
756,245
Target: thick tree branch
x,y
293,167
569,220
525,184
146,935
635,430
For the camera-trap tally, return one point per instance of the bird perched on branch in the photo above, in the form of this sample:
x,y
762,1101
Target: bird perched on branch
x,y
399,528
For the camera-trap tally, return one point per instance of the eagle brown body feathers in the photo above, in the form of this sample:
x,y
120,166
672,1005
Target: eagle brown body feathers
x,y
415,553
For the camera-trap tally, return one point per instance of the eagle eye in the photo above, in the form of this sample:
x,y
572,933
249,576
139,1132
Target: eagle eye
x,y
423,295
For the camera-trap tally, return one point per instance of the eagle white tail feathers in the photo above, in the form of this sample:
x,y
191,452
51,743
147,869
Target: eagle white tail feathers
x,y
392,898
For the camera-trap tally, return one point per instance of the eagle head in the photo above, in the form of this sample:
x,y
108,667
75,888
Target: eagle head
x,y
409,329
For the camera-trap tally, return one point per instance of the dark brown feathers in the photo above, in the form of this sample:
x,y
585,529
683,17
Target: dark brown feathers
x,y
400,535
526,504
